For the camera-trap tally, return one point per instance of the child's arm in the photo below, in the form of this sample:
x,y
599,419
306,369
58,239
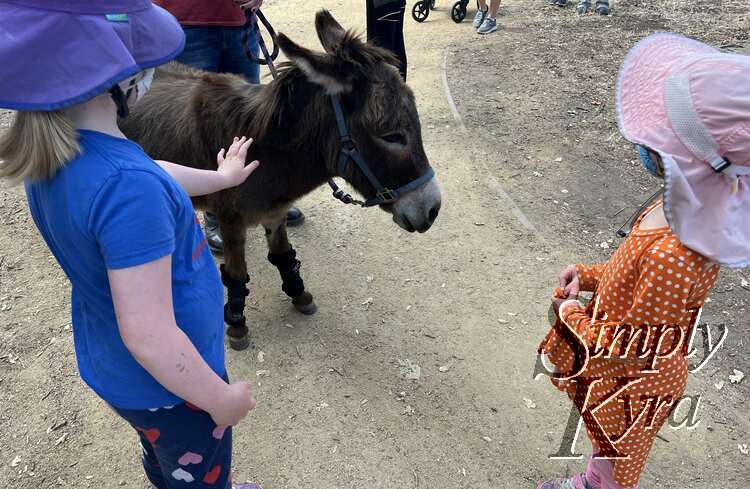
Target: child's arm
x,y
142,297
232,171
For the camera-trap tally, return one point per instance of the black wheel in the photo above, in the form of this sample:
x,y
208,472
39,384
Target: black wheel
x,y
458,12
432,5
420,11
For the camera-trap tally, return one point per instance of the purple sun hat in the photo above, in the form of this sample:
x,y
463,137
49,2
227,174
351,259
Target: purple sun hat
x,y
57,53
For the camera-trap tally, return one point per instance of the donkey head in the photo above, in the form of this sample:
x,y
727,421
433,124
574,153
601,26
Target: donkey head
x,y
380,114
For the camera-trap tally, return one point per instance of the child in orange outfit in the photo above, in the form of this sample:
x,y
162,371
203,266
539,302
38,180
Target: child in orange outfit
x,y
621,359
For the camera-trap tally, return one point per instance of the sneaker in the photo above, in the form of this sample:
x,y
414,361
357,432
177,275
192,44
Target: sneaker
x,y
479,17
213,238
488,26
561,3
583,7
575,482
602,7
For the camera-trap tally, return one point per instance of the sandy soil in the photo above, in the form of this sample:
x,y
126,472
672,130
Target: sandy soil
x,y
534,176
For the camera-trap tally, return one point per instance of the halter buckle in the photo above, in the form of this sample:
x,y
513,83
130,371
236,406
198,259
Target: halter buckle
x,y
347,143
387,195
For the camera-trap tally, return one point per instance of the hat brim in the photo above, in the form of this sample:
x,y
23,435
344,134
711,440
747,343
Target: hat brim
x,y
53,60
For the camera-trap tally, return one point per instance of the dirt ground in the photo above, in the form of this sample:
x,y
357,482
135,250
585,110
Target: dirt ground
x,y
534,176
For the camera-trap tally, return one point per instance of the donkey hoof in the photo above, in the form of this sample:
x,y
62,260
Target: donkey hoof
x,y
239,338
305,304
239,344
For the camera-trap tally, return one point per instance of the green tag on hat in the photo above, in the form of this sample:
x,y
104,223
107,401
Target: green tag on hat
x,y
117,17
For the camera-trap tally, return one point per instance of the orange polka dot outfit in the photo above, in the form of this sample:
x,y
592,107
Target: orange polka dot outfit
x,y
652,279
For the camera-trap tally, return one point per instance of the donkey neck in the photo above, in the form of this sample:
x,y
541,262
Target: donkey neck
x,y
296,133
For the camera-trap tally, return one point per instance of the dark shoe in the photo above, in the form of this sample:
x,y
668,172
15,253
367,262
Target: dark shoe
x,y
294,217
602,7
561,3
211,229
583,7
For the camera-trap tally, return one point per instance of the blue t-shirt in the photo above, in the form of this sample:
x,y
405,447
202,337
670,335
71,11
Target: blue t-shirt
x,y
113,207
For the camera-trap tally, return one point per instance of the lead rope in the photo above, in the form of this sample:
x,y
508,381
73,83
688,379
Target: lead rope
x,y
251,23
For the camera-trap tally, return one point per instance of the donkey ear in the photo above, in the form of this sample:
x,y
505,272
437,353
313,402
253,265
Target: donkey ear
x,y
321,69
330,32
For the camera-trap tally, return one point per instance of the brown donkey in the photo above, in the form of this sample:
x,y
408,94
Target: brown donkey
x,y
188,115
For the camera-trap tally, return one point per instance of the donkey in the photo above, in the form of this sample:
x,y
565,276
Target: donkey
x,y
299,139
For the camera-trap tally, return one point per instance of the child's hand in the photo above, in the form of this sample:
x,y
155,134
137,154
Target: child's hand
x,y
232,165
569,282
234,405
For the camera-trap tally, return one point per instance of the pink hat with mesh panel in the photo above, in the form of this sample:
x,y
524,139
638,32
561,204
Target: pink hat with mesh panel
x,y
690,103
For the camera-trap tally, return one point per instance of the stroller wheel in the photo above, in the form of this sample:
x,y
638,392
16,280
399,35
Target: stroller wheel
x,y
458,12
432,4
421,10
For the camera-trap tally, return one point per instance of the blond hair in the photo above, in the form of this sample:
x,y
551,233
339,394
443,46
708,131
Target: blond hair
x,y
37,145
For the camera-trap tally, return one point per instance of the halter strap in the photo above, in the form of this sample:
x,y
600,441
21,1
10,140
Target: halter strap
x,y
349,152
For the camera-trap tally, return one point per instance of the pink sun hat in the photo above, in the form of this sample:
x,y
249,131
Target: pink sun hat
x,y
690,103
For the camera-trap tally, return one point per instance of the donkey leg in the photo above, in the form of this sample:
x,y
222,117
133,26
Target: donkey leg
x,y
234,276
284,258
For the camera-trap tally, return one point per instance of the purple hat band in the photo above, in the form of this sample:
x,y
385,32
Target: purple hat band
x,y
57,53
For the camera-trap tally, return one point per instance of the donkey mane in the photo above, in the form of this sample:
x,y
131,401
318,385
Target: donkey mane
x,y
269,107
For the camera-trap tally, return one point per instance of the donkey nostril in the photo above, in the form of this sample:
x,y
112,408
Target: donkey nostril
x,y
434,213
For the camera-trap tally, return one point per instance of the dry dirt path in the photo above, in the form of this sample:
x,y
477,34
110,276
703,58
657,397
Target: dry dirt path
x,y
333,408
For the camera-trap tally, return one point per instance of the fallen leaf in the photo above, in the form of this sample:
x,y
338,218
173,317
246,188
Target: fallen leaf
x,y
529,403
737,377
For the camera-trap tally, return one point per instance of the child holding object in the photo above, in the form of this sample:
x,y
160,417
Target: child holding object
x,y
621,359
147,300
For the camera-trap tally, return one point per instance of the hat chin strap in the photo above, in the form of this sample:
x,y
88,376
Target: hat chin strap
x,y
121,101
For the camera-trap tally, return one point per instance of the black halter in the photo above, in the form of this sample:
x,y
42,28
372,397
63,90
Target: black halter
x,y
348,151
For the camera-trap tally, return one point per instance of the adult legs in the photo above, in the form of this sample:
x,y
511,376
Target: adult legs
x,y
385,27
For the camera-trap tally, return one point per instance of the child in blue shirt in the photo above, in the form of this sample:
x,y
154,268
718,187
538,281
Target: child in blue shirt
x,y
147,300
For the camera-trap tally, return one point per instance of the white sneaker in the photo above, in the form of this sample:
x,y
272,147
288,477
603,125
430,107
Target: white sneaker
x,y
479,17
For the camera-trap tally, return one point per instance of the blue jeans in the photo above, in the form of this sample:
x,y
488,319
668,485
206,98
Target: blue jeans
x,y
220,49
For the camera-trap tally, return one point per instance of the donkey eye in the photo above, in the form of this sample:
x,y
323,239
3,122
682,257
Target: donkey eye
x,y
394,137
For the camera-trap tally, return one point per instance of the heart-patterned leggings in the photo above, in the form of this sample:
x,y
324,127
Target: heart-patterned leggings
x,y
182,447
